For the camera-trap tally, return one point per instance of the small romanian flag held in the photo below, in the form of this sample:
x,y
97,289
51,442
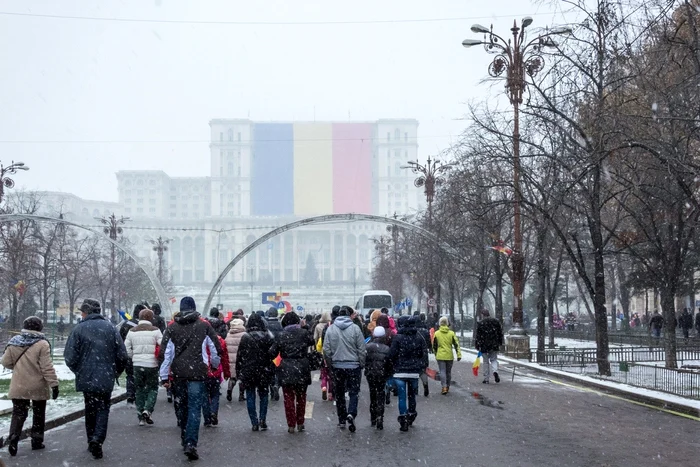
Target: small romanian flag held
x,y
501,248
20,287
476,365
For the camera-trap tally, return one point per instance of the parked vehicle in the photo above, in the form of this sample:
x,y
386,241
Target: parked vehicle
x,y
374,300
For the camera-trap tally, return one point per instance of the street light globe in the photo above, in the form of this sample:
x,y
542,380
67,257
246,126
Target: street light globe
x,y
471,42
527,21
479,29
561,30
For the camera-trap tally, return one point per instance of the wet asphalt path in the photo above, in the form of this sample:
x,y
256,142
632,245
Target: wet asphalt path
x,y
527,422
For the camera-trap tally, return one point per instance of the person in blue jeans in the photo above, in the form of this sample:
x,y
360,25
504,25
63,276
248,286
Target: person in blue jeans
x,y
345,351
409,355
189,346
255,368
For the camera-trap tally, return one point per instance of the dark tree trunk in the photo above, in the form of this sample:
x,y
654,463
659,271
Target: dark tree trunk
x,y
668,299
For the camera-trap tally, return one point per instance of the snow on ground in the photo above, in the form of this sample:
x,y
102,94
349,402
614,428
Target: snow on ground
x,y
62,371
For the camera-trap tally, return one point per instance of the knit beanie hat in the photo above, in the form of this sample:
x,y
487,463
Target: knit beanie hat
x,y
237,322
33,323
379,331
187,304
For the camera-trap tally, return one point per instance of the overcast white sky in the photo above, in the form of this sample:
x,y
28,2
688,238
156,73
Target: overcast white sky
x,y
81,99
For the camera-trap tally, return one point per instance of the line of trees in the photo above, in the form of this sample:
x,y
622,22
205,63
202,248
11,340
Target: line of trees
x,y
45,265
609,174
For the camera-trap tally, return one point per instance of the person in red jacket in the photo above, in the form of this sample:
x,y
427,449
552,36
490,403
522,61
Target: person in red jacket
x,y
212,388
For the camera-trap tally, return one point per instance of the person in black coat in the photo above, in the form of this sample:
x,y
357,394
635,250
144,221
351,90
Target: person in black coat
x,y
158,320
294,372
378,370
255,369
409,355
96,354
488,339
275,327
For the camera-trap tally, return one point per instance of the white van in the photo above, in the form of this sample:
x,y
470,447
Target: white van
x,y
374,300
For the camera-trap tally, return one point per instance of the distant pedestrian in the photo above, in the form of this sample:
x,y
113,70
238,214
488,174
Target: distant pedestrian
x,y
344,348
141,344
189,348
218,324
96,354
255,369
34,380
61,328
686,323
697,323
325,374
273,325
233,341
378,369
129,322
409,355
656,323
294,372
424,333
444,341
488,339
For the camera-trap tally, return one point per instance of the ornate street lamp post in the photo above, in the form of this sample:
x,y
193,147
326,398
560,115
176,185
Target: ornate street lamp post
x,y
429,177
113,228
7,182
518,59
160,246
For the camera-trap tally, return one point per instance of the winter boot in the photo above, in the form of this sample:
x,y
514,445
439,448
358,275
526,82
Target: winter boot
x,y
241,395
380,423
444,391
403,423
229,395
426,390
496,377
411,417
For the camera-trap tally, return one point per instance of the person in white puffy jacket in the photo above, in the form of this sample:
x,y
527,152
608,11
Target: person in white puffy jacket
x,y
141,344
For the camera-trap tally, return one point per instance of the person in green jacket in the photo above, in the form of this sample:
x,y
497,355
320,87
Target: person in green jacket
x,y
443,342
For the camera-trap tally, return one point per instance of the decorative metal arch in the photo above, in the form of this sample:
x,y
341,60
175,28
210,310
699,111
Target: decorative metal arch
x,y
330,218
162,296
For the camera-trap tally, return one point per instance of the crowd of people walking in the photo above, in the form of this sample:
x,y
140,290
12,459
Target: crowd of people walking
x,y
192,356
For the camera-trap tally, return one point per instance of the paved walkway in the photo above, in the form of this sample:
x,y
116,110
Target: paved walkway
x,y
527,422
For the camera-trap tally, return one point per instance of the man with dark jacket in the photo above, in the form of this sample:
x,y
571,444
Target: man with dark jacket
x,y
189,345
96,354
409,355
124,328
686,323
656,323
158,320
488,339
219,325
424,333
378,370
344,348
275,327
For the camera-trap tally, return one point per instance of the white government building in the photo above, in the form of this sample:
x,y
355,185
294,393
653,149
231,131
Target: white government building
x,y
264,175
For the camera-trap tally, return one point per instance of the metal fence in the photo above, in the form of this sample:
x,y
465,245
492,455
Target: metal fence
x,y
585,356
681,382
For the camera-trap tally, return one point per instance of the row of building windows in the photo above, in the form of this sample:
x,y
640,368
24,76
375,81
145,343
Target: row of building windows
x,y
229,133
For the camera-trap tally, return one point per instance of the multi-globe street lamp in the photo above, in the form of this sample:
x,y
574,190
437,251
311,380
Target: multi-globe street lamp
x,y
160,246
518,59
429,178
7,182
112,228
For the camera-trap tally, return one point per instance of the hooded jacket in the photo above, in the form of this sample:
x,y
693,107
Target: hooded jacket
x,y
28,355
254,367
233,341
378,364
344,344
444,341
373,320
96,354
488,336
141,344
219,326
409,353
189,346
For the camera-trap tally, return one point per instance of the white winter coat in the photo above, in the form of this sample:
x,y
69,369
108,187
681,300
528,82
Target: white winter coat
x,y
141,344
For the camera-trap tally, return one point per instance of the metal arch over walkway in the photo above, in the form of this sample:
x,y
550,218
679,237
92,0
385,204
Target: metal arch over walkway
x,y
327,219
162,296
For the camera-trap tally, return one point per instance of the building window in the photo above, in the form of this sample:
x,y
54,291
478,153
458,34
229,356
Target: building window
x,y
152,210
388,136
139,200
173,206
405,137
230,134
127,200
173,198
397,134
127,210
221,136
239,170
152,201
230,168
139,209
238,136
